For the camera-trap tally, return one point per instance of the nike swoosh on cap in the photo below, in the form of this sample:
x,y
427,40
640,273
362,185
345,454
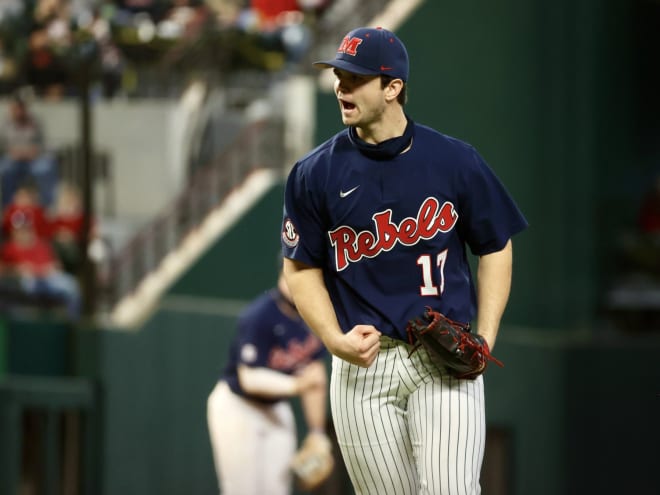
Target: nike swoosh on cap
x,y
343,194
382,67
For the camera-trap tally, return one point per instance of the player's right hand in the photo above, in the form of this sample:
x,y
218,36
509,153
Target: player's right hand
x,y
359,346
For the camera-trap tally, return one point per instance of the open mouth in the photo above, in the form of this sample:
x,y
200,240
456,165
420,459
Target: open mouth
x,y
345,105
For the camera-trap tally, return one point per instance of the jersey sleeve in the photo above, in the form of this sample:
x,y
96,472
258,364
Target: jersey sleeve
x,y
303,234
490,215
253,342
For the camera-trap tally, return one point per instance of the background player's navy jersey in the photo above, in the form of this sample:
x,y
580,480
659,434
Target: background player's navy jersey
x,y
339,216
268,338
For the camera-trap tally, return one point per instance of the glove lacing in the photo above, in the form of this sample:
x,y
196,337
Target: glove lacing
x,y
462,345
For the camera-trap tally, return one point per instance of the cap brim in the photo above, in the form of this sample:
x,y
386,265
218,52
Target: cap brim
x,y
344,65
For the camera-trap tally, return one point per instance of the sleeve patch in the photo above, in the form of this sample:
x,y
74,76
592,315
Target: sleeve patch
x,y
248,353
289,234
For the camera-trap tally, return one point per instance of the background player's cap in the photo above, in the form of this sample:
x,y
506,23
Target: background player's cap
x,y
370,51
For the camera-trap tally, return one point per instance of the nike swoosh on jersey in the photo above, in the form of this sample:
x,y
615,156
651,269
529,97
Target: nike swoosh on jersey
x,y
343,194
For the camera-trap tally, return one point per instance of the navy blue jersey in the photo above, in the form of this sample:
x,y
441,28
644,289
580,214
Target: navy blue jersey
x,y
391,235
268,338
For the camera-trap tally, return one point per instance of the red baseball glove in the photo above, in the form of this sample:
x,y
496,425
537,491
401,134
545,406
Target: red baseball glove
x,y
450,344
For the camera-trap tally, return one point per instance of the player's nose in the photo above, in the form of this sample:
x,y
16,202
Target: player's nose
x,y
343,85
339,89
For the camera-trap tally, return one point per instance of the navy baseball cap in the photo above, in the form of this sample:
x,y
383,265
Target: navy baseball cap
x,y
370,52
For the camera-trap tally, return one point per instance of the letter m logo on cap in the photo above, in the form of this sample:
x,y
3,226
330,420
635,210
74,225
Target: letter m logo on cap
x,y
349,46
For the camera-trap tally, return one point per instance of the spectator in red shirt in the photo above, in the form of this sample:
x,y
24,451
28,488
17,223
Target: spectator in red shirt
x,y
270,10
33,262
284,22
25,207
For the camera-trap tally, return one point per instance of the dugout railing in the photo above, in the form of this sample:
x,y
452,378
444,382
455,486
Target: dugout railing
x,y
258,146
71,168
261,145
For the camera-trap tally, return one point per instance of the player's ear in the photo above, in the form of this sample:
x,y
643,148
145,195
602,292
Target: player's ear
x,y
393,89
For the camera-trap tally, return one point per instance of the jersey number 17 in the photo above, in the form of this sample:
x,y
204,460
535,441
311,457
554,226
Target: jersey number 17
x,y
429,286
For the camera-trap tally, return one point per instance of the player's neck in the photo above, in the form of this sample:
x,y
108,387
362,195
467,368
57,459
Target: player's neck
x,y
386,149
392,125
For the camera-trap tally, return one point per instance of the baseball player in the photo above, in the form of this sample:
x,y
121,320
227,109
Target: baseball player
x,y
377,222
251,423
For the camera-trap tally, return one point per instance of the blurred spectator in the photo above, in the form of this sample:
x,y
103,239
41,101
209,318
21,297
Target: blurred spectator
x,y
226,12
647,251
10,9
34,265
184,19
41,41
270,10
154,8
649,213
51,37
25,157
67,226
12,17
641,248
25,207
275,14
8,69
282,24
95,22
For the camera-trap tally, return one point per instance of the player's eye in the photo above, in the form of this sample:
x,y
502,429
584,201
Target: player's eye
x,y
350,79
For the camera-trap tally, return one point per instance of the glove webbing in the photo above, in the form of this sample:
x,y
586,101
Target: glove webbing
x,y
464,341
430,325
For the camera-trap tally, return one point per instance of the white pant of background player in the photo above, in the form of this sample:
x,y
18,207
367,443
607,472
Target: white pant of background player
x,y
252,443
406,428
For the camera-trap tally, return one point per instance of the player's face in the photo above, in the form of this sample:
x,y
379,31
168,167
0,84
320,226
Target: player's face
x,y
361,98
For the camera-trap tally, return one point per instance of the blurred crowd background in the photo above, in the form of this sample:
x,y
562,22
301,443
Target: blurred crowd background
x,y
43,43
81,56
143,145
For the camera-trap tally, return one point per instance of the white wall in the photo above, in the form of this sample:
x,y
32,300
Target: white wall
x,y
147,140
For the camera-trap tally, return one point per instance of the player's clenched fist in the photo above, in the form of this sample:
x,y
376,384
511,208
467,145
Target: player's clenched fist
x,y
358,346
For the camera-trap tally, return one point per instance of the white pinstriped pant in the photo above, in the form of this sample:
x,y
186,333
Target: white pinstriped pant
x,y
407,428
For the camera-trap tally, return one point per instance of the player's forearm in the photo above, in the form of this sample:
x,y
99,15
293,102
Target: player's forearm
x,y
266,382
314,406
312,299
493,288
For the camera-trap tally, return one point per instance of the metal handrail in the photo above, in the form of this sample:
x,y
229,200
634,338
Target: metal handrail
x,y
259,146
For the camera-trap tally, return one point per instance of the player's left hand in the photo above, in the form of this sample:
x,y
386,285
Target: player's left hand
x,y
451,344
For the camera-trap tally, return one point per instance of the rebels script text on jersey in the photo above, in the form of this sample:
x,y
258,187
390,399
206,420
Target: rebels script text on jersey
x,y
367,222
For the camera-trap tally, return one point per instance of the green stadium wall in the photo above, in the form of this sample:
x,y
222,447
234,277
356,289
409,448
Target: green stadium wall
x,y
529,84
572,408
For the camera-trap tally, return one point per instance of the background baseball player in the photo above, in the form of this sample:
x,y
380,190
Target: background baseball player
x,y
376,224
251,424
